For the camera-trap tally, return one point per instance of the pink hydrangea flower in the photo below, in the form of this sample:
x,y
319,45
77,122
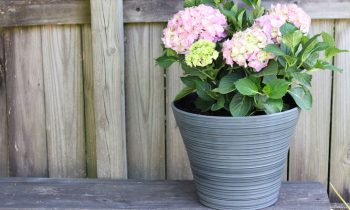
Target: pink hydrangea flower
x,y
271,24
246,48
293,14
191,24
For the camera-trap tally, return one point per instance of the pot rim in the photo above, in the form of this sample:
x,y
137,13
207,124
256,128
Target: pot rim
x,y
289,111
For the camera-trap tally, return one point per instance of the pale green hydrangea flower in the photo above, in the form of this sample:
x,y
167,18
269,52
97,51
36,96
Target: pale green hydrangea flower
x,y
201,53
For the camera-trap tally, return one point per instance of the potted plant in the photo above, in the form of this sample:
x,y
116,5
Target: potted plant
x,y
247,71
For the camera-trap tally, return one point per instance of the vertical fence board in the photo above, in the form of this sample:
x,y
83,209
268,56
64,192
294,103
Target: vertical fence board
x,y
25,102
145,128
89,106
108,67
178,166
309,152
4,160
62,63
340,141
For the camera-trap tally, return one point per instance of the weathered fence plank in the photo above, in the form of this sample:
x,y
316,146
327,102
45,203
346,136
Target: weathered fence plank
x,y
310,149
89,103
62,64
25,102
108,67
178,166
145,122
4,159
340,143
39,12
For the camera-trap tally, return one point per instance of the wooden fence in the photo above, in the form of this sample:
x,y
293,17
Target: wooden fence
x,y
86,100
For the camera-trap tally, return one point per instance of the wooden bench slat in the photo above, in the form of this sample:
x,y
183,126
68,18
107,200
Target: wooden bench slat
x,y
40,193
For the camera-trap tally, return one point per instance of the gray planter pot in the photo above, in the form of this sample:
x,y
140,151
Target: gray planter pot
x,y
237,162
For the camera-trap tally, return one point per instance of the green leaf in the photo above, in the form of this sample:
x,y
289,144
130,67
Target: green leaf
x,y
287,28
184,92
268,78
170,52
190,3
282,61
241,105
320,47
193,71
240,19
292,40
230,15
259,101
308,46
247,87
227,83
220,103
208,2
258,12
271,69
285,49
302,97
328,66
229,5
204,91
331,52
291,60
328,39
302,78
166,61
203,105
190,81
272,106
311,61
249,2
272,48
276,88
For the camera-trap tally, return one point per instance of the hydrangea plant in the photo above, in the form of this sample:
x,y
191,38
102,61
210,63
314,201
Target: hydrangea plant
x,y
245,60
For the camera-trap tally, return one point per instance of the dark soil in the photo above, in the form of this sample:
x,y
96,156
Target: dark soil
x,y
187,104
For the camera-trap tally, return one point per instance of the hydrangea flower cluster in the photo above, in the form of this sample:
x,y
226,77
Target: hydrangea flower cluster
x,y
246,48
280,14
201,53
293,14
270,24
191,24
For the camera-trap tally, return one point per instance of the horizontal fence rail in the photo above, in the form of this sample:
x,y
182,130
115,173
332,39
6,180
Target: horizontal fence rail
x,y
41,12
87,100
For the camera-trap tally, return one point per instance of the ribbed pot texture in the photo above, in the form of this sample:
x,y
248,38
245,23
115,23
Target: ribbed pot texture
x,y
237,162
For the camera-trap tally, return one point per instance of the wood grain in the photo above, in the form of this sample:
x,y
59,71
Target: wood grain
x,y
310,150
41,12
112,194
340,142
4,159
178,165
62,64
339,206
145,122
108,67
150,10
25,102
89,103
